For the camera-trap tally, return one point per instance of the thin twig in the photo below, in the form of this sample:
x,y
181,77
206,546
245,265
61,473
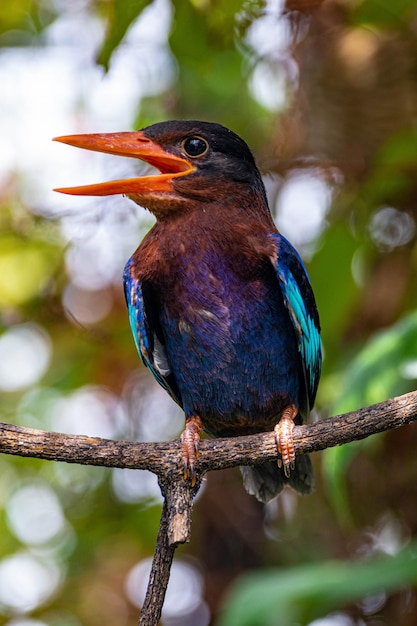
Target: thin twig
x,y
174,528
159,575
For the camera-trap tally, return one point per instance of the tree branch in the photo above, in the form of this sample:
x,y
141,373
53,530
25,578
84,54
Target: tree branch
x,y
160,571
215,454
164,459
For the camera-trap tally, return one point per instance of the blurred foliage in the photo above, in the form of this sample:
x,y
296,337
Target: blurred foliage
x,y
299,594
22,21
347,116
26,242
122,14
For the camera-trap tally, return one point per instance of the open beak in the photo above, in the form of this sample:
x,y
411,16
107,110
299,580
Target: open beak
x,y
131,144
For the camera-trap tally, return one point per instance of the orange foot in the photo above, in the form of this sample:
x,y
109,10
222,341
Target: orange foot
x,y
190,439
283,437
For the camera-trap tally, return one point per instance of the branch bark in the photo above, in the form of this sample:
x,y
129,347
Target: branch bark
x,y
160,571
215,454
164,459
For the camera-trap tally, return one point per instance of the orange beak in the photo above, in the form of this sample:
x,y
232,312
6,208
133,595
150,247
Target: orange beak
x,y
130,144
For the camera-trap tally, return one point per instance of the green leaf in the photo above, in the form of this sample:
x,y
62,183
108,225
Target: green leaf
x,y
295,596
386,367
124,13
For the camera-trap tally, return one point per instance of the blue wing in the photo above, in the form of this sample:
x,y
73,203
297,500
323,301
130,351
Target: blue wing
x,y
300,303
146,330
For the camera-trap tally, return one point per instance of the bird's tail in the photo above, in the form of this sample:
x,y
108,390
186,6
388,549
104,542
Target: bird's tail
x,y
267,480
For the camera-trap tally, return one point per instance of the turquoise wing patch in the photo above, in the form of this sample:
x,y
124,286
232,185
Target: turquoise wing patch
x,y
147,333
299,300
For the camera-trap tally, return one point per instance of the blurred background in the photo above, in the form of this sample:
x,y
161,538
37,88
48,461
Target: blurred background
x,y
325,93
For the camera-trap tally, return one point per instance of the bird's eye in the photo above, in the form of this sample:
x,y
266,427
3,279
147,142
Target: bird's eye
x,y
195,146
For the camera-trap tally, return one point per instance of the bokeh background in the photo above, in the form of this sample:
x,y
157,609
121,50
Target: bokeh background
x,y
325,93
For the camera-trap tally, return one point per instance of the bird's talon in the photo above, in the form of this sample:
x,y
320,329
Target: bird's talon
x,y
283,437
190,439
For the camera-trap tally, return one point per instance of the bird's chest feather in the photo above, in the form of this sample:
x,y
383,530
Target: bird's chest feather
x,y
228,337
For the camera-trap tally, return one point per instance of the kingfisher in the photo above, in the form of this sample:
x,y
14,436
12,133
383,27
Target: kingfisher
x,y
220,304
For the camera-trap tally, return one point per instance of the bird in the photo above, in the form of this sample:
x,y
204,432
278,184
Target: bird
x,y
220,303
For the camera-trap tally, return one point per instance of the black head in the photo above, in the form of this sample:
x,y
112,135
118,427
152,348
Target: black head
x,y
216,154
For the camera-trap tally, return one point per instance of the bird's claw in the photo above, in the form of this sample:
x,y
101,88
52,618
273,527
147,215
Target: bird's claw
x,y
284,440
190,439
